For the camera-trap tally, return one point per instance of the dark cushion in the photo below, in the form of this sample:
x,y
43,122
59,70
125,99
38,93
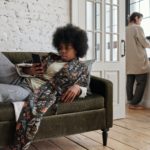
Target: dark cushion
x,y
91,102
20,57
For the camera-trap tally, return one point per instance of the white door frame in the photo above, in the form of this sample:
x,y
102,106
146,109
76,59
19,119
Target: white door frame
x,y
114,71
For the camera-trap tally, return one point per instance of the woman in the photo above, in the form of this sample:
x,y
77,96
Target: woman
x,y
63,85
137,64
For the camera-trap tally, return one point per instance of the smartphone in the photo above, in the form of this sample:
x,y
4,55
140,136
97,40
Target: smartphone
x,y
36,58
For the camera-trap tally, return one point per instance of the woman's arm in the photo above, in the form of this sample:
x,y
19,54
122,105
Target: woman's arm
x,y
73,92
141,37
79,88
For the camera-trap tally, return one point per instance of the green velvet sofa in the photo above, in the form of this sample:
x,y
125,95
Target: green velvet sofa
x,y
91,113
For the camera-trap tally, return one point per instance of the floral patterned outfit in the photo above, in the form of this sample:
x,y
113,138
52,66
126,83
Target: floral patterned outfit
x,y
73,72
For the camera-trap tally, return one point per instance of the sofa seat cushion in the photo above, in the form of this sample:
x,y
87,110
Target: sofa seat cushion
x,y
7,111
91,102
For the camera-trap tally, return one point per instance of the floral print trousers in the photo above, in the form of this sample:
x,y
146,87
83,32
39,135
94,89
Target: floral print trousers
x,y
31,115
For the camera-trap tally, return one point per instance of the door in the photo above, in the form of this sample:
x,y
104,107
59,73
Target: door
x,y
104,22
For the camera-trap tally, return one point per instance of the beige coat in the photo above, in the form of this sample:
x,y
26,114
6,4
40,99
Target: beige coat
x,y
136,57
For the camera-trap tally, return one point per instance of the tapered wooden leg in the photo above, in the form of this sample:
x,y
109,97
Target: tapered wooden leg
x,y
105,136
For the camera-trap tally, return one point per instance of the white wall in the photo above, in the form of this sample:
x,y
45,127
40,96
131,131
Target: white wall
x,y
28,25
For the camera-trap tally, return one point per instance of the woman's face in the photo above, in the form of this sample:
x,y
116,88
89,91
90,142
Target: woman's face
x,y
67,52
138,20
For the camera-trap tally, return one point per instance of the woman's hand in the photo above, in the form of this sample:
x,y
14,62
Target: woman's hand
x,y
71,93
37,69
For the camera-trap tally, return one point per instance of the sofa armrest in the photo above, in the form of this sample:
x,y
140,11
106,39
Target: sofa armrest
x,y
104,87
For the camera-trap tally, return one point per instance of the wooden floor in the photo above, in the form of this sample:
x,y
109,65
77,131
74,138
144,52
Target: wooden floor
x,y
131,133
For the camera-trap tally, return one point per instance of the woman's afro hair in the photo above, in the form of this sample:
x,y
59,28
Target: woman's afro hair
x,y
73,35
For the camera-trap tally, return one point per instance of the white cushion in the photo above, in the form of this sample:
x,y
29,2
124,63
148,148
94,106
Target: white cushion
x,y
89,63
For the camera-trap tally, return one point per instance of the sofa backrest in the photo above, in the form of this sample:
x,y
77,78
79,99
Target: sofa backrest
x,y
19,57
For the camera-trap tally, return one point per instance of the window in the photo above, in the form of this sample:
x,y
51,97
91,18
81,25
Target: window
x,y
111,31
93,28
109,35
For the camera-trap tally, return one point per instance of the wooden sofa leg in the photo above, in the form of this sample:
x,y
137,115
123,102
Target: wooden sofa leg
x,y
105,136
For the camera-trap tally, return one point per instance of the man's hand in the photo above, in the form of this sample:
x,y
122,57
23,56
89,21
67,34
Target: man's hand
x,y
71,93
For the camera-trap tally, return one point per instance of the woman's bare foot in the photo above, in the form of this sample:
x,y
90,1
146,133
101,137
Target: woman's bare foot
x,y
136,107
